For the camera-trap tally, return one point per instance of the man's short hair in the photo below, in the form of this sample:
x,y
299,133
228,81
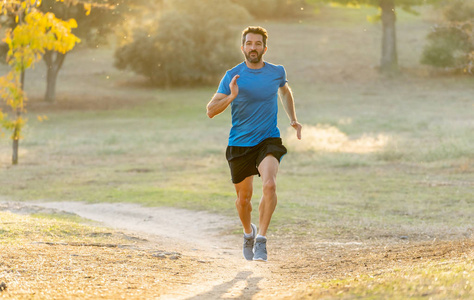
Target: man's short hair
x,y
255,29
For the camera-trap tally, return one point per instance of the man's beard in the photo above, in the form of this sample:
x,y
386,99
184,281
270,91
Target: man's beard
x,y
255,59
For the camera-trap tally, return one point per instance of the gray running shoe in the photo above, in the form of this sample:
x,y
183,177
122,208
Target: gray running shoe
x,y
260,249
248,243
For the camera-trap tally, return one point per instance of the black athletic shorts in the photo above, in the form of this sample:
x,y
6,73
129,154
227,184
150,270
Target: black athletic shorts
x,y
244,161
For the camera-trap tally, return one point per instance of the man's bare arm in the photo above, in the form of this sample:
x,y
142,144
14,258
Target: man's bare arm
x,y
220,101
218,104
289,106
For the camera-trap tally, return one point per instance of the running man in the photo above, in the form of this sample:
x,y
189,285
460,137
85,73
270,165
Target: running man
x,y
255,146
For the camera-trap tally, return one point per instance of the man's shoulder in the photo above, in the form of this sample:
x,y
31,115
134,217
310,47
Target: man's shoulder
x,y
276,72
274,66
236,70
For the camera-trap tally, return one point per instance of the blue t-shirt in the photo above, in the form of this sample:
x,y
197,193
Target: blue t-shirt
x,y
255,109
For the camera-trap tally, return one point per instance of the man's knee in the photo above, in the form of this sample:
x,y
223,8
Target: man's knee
x,y
243,199
269,187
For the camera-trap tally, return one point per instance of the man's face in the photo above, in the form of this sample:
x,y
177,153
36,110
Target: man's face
x,y
253,48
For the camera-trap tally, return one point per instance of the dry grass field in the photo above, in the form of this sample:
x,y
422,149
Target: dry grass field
x,y
375,202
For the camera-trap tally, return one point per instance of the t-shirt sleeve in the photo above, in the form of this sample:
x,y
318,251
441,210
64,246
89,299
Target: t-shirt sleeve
x,y
283,80
224,85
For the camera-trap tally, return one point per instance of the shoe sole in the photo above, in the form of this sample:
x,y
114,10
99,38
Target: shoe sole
x,y
259,259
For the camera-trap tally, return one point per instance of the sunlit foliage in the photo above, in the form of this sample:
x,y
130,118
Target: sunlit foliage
x,y
96,20
35,33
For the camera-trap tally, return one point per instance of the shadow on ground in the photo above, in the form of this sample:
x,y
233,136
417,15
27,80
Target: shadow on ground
x,y
242,283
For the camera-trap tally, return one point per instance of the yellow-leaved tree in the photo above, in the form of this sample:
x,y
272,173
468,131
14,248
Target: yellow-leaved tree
x,y
35,33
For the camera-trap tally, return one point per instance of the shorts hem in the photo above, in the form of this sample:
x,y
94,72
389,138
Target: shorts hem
x,y
244,161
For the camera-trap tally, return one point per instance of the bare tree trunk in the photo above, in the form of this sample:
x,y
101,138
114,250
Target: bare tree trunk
x,y
389,60
54,61
16,131
16,145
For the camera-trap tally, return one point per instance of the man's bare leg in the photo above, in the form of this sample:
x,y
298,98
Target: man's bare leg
x,y
268,169
243,203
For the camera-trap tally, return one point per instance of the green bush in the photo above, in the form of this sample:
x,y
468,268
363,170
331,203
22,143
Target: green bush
x,y
273,9
192,42
448,47
451,44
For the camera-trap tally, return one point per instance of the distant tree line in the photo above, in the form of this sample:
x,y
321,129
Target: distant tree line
x,y
191,41
183,42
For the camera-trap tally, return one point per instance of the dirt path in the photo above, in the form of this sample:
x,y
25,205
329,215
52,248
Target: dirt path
x,y
190,233
189,229
223,273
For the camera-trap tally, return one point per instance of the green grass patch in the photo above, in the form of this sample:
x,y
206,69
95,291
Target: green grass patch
x,y
449,279
54,228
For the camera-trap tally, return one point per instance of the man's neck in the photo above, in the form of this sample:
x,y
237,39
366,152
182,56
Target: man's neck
x,y
258,65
